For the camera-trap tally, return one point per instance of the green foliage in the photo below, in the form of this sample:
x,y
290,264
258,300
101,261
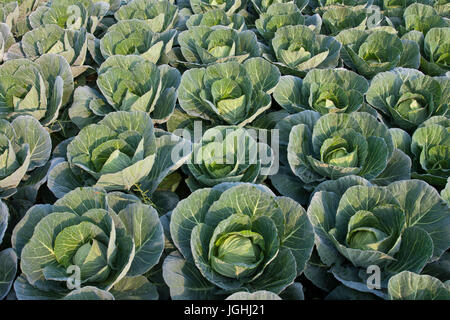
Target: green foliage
x,y
224,149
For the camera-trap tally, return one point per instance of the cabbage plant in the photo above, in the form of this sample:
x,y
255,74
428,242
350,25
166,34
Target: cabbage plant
x,y
434,60
71,44
114,5
421,17
228,154
230,92
298,49
105,241
284,14
159,15
443,8
262,6
133,83
359,225
135,160
431,149
202,46
8,267
15,14
70,14
445,193
9,13
88,106
121,152
136,37
412,286
236,237
408,97
318,148
364,51
338,145
39,89
322,90
6,40
318,4
24,146
229,6
337,18
394,9
216,17
257,295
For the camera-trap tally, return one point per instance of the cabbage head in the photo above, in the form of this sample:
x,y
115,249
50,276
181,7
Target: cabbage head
x,y
338,145
15,14
435,60
319,4
394,9
336,18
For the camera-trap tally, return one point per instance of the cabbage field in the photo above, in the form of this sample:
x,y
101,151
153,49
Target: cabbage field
x,y
224,150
